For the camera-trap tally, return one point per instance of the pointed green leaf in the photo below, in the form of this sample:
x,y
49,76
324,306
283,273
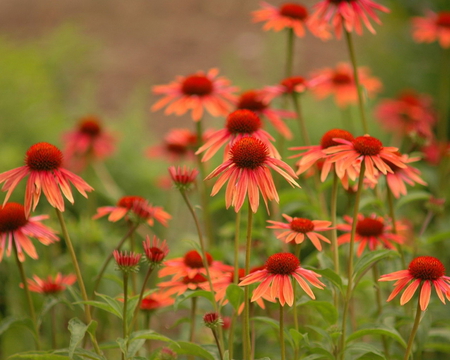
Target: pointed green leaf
x,y
235,295
203,293
188,348
77,331
151,335
114,303
326,309
370,258
378,330
103,306
330,275
38,355
9,321
356,351
410,197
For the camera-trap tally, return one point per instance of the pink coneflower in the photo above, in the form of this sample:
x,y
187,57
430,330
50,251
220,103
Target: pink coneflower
x,y
276,279
44,167
287,86
156,300
289,15
373,231
177,145
340,83
127,262
50,286
196,92
248,172
347,14
409,114
364,149
15,227
134,208
424,271
89,142
298,229
239,123
183,284
183,178
255,101
435,152
432,27
155,251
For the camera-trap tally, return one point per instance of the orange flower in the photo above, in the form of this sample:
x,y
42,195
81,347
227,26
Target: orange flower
x,y
432,27
50,286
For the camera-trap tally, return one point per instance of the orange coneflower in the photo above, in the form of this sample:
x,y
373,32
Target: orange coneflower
x,y
432,27
50,285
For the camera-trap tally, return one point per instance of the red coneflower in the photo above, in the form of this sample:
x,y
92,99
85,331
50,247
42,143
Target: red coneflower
x,y
432,27
177,145
183,178
127,262
181,285
156,300
50,285
155,251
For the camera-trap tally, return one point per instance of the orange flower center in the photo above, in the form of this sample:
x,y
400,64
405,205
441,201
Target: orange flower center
x,y
302,225
327,138
90,127
130,202
341,79
193,259
369,227
282,264
443,19
291,82
294,11
249,153
367,145
43,157
243,121
196,279
50,287
12,217
426,268
251,100
197,85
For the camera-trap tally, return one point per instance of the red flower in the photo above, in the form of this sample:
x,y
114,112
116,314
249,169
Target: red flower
x,y
156,300
50,286
155,251
432,27
127,262
183,177
177,145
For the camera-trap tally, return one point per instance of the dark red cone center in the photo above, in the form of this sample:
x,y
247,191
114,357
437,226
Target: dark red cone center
x,y
197,85
367,145
130,202
251,100
291,82
243,121
282,264
294,11
249,153
90,127
426,268
196,279
443,19
12,217
369,227
341,79
193,259
43,157
327,138
302,225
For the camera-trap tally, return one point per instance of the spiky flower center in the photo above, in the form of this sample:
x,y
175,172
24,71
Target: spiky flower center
x,y
149,304
282,264
50,287
367,145
130,202
241,274
243,121
443,19
340,78
294,11
249,153
301,225
327,138
43,157
426,268
409,98
193,259
12,217
340,1
196,279
291,82
251,100
198,85
90,127
369,227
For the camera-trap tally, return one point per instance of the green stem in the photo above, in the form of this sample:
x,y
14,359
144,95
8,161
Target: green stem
x,y
111,187
295,315
132,249
378,297
444,95
125,306
282,344
246,325
219,347
413,331
301,121
350,258
334,242
290,52
141,295
390,198
351,50
193,319
53,326
236,249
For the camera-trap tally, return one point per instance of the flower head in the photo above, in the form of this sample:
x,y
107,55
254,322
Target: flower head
x,y
50,286
297,229
156,300
212,320
181,285
196,92
435,152
424,271
183,177
167,354
432,27
247,171
127,262
15,227
155,251
43,165
178,144
276,279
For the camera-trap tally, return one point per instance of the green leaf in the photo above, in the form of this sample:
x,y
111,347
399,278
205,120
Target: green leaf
x,y
268,321
297,337
38,355
235,295
438,237
48,304
188,348
326,309
103,306
9,321
203,293
370,258
324,354
378,330
412,196
122,344
77,330
151,335
115,304
356,351
330,275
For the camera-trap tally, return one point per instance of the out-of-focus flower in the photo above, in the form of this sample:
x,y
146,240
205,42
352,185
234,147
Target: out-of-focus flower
x,y
127,262
248,172
298,229
50,286
372,231
134,208
432,27
340,83
177,145
166,354
290,15
287,86
276,279
212,320
347,14
435,152
196,92
183,178
16,228
88,142
155,251
423,271
181,285
44,168
156,300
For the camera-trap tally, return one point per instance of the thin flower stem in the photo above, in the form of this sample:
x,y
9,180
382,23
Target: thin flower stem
x,y
413,331
444,95
390,198
53,326
216,338
246,324
282,344
141,295
112,189
125,306
297,250
350,259
334,242
134,285
28,296
289,52
295,315
301,121
425,223
351,50
193,319
376,276
231,334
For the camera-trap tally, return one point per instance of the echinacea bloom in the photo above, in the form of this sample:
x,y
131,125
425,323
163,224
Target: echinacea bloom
x,y
239,123
409,114
423,271
289,15
183,177
127,262
156,300
255,100
348,14
177,145
43,165
155,251
364,149
212,320
432,27
248,172
276,279
372,231
50,285
435,152
340,82
196,92
136,208
15,227
287,86
298,229
89,142
181,285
